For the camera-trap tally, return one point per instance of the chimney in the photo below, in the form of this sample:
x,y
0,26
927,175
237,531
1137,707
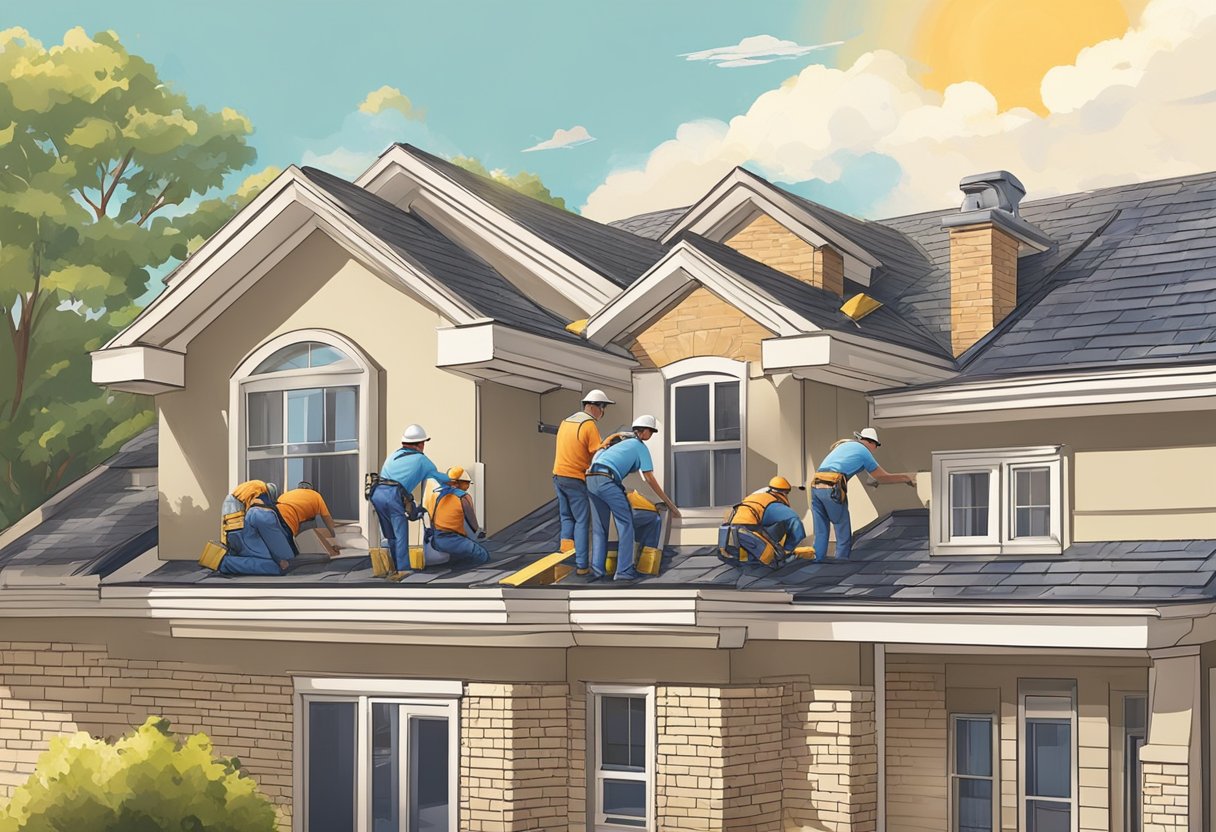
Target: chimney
x,y
986,239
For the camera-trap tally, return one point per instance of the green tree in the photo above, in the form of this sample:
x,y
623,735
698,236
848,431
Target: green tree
x,y
103,173
526,183
148,780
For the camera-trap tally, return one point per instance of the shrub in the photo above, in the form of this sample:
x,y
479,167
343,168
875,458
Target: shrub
x,y
147,781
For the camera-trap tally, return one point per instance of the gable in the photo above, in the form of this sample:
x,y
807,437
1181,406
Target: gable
x,y
767,241
701,324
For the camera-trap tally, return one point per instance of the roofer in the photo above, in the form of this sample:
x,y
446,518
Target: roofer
x,y
301,504
392,493
261,544
578,438
763,528
454,519
619,456
829,489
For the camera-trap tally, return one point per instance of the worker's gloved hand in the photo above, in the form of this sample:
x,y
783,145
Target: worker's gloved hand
x,y
804,551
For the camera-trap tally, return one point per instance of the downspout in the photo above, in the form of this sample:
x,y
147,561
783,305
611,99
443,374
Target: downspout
x,y
880,733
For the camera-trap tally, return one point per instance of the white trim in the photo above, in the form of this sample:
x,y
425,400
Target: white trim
x,y
851,360
378,686
880,734
1049,396
595,693
139,369
1048,689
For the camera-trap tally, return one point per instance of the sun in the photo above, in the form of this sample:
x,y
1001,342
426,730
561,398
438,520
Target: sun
x,y
1008,45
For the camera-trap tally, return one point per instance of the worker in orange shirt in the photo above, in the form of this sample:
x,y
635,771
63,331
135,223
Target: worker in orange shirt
x,y
578,438
453,520
301,504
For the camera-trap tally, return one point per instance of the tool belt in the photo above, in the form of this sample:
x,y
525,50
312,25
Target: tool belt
x,y
839,483
373,479
740,543
603,471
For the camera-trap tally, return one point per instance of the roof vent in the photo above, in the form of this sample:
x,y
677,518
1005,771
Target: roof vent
x,y
999,189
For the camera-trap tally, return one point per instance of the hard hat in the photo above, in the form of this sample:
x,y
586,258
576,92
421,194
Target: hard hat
x,y
414,433
868,433
645,422
597,396
780,484
458,474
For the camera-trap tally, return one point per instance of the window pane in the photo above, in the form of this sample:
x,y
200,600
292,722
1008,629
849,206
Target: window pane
x,y
1033,522
619,747
692,413
1042,816
969,505
305,416
341,415
267,470
294,357
331,766
335,477
322,355
726,411
973,805
1132,791
1048,758
1032,502
973,747
386,771
265,420
625,802
728,477
428,774
1135,714
637,733
691,478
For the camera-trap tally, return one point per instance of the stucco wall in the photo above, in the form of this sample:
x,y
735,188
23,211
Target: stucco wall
x,y
317,286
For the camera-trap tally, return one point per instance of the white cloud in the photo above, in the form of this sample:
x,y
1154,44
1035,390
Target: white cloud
x,y
390,98
756,50
1135,108
573,137
363,137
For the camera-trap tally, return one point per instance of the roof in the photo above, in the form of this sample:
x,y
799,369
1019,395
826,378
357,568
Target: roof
x,y
652,226
1130,281
615,253
96,525
412,238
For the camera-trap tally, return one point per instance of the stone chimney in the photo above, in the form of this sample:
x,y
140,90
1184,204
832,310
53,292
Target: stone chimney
x,y
986,238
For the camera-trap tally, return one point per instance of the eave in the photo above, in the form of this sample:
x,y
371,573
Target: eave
x,y
851,362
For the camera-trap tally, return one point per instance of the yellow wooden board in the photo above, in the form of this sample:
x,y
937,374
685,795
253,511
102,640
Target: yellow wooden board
x,y
547,570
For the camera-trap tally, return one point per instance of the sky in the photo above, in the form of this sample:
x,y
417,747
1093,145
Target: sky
x,y
875,107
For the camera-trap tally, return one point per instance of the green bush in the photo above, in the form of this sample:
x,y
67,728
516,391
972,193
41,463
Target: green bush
x,y
148,781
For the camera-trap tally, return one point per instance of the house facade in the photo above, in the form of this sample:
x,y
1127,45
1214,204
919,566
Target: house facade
x,y
1025,641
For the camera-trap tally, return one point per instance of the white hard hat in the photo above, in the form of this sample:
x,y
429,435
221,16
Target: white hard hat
x,y
868,433
414,433
597,396
645,422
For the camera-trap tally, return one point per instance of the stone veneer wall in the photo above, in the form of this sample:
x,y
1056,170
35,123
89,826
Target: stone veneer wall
x,y
1166,806
916,746
768,241
700,324
50,689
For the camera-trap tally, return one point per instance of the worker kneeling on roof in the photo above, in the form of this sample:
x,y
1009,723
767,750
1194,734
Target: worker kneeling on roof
x,y
391,493
258,541
454,519
301,504
619,456
763,528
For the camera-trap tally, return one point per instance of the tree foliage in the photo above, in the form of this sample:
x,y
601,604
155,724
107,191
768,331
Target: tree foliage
x,y
147,780
526,183
104,174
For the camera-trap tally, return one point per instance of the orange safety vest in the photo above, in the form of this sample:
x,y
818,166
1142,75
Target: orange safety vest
x,y
577,439
750,512
447,511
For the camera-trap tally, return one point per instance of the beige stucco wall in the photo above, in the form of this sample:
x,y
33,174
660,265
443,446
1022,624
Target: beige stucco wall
x,y
317,286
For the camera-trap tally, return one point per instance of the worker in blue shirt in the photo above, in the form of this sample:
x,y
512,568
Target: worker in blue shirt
x,y
392,497
829,489
619,456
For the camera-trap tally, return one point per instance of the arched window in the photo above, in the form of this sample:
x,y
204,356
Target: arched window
x,y
302,413
706,444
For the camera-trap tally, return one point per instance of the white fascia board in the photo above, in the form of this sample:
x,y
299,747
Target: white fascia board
x,y
1150,390
585,287
492,346
139,369
679,272
852,362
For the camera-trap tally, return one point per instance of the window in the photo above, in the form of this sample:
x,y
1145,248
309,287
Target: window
x,y
707,441
302,408
1135,733
376,762
622,774
1003,501
972,762
1048,760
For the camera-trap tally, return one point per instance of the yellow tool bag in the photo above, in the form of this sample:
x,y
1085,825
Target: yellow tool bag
x,y
213,553
382,561
839,483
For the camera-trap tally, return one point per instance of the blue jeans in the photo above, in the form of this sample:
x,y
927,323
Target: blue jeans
x,y
459,547
824,510
394,525
608,496
646,528
575,511
262,544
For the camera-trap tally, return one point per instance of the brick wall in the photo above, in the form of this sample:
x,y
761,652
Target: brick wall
x,y
49,689
983,282
701,324
766,240
1166,786
514,757
916,746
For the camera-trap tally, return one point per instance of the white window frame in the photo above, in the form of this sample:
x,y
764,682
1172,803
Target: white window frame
x,y
438,698
1001,464
691,372
1064,689
365,376
596,819
954,776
